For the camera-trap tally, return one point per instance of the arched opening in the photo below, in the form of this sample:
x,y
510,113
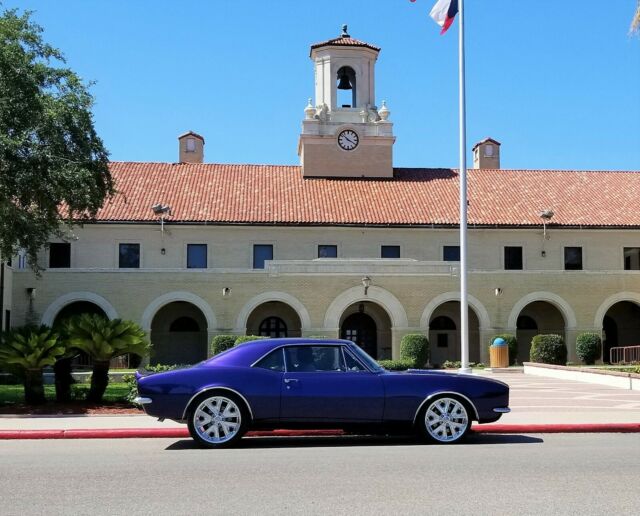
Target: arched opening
x,y
273,327
368,325
444,334
178,334
620,327
346,87
538,317
77,308
274,319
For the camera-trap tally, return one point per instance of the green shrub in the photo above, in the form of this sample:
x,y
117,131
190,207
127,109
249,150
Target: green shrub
x,y
248,338
414,347
161,368
548,349
396,365
588,347
456,364
221,343
512,343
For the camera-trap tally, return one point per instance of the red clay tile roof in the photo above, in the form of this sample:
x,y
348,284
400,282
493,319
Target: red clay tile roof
x,y
345,41
267,194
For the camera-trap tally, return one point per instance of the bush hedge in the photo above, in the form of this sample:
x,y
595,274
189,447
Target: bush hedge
x,y
548,349
396,365
588,347
248,338
512,343
221,343
414,347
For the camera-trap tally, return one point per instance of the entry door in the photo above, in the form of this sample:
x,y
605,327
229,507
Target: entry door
x,y
328,394
361,329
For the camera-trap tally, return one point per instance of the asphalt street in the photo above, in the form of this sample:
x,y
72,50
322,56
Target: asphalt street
x,y
490,474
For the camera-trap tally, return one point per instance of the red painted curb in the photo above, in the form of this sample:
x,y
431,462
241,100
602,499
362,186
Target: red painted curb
x,y
558,428
170,433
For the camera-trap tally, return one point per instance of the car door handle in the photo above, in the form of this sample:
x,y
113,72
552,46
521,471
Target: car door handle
x,y
290,380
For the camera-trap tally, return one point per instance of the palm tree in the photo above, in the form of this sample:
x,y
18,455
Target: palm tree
x,y
635,23
28,350
103,339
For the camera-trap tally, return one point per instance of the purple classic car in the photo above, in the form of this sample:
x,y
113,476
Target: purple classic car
x,y
307,383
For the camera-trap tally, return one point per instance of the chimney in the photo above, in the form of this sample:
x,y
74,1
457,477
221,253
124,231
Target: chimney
x,y
486,154
191,147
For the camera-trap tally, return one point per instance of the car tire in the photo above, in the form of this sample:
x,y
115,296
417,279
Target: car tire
x,y
217,419
445,419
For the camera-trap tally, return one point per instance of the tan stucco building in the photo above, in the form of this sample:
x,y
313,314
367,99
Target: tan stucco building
x,y
345,244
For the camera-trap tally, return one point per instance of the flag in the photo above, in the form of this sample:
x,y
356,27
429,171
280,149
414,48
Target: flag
x,y
444,12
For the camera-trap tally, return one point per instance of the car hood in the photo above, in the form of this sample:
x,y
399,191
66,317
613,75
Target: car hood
x,y
437,372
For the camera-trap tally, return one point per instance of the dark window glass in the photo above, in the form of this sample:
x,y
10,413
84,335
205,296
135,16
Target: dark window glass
x,y
573,258
273,327
451,253
129,256
314,358
390,251
443,340
632,258
327,251
7,319
9,261
184,324
513,258
261,253
60,255
196,256
274,361
351,363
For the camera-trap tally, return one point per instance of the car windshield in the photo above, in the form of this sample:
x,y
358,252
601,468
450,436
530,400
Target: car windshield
x,y
370,362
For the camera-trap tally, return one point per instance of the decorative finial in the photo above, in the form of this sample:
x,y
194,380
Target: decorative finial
x,y
345,34
309,111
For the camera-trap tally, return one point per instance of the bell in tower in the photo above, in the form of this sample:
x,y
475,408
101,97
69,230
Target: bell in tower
x,y
343,133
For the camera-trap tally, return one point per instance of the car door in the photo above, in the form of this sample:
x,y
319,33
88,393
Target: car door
x,y
317,386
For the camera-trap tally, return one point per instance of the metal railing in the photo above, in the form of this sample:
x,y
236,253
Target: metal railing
x,y
625,355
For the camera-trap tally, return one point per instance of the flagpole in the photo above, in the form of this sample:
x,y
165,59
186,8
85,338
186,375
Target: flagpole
x,y
464,303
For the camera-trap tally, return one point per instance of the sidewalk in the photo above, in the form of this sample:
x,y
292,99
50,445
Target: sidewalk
x,y
534,401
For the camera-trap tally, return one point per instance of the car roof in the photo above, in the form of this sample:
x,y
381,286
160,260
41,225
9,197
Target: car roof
x,y
248,352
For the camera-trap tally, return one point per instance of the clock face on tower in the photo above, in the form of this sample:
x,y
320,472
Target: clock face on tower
x,y
348,140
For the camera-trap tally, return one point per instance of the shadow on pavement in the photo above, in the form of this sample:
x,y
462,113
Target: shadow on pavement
x,y
358,440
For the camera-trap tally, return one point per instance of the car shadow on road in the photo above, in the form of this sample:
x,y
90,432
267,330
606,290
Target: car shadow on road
x,y
358,440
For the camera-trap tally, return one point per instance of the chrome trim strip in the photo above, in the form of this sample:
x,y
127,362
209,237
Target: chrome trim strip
x,y
431,396
216,388
142,401
502,410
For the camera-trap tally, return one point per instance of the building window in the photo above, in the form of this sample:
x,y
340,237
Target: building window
x,y
7,320
573,258
129,256
513,258
451,253
191,144
390,251
632,258
196,256
60,255
327,251
273,327
261,253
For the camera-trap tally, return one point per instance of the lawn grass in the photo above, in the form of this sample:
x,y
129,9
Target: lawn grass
x,y
115,393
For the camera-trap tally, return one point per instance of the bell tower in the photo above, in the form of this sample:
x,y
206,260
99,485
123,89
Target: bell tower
x,y
345,134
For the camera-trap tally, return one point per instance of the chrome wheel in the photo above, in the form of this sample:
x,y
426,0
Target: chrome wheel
x,y
217,420
446,420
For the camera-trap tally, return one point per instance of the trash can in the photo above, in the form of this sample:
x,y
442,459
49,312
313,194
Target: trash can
x,y
499,353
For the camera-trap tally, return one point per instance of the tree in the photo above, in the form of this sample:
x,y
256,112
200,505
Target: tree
x,y
28,350
103,339
53,166
635,23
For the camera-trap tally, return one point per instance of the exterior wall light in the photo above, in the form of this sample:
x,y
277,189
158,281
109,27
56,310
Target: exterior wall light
x,y
366,283
498,292
226,291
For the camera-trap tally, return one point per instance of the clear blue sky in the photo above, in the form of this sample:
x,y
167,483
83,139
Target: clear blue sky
x,y
558,83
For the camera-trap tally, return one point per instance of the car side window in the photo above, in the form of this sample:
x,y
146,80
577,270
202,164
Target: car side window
x,y
274,361
351,363
314,358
